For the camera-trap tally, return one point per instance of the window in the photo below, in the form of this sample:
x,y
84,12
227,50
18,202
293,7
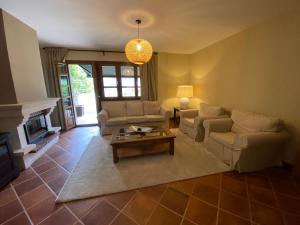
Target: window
x,y
110,83
119,80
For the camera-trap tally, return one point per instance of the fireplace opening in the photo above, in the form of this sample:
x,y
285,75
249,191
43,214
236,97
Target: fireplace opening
x,y
36,128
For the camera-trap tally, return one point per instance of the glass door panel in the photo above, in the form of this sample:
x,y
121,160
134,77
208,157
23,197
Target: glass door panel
x,y
138,82
110,92
66,96
127,71
128,92
118,80
108,70
83,91
110,82
128,81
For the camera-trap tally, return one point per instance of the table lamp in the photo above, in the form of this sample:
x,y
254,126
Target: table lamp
x,y
184,92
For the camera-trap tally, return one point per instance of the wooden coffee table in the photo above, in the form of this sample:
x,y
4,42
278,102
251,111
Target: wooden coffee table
x,y
126,144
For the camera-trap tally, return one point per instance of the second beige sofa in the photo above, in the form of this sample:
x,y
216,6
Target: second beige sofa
x,y
247,141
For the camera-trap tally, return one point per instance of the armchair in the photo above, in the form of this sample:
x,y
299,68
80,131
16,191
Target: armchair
x,y
191,120
246,141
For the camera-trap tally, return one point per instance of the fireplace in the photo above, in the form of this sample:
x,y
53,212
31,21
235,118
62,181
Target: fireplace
x,y
36,128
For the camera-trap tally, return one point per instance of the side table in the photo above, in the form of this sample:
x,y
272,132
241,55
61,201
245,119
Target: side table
x,y
178,109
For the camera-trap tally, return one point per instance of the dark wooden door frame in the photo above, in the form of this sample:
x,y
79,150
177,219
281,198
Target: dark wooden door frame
x,y
96,87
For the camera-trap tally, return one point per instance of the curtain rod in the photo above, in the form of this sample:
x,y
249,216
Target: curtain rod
x,y
88,50
94,50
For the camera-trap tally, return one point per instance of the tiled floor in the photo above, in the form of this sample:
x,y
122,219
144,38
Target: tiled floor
x,y
269,197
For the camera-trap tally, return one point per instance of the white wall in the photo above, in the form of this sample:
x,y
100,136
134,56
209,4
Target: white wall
x,y
24,58
255,70
173,70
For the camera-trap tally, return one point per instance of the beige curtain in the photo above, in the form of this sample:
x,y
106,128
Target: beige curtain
x,y
50,58
149,79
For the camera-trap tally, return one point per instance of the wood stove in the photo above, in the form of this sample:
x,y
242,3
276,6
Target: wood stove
x,y
8,167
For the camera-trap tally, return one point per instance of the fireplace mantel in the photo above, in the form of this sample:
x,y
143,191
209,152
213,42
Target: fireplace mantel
x,y
12,119
26,108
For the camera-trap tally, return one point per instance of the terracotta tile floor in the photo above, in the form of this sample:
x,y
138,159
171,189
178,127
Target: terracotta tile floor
x,y
269,197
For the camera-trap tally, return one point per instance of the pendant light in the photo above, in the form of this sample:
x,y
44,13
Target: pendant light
x,y
138,51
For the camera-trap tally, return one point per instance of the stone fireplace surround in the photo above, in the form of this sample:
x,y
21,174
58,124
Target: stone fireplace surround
x,y
22,88
12,119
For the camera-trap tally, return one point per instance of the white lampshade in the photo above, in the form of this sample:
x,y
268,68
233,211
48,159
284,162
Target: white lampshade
x,y
185,91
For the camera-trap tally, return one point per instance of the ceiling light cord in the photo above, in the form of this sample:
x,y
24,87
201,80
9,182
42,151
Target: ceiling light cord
x,y
138,21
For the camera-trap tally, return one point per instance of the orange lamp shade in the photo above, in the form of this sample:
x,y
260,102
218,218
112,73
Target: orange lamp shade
x,y
138,51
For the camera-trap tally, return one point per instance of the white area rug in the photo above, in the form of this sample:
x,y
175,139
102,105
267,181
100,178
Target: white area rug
x,y
96,174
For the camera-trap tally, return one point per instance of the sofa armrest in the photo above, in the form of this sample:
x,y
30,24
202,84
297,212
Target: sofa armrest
x,y
217,125
261,138
165,112
191,113
200,119
102,116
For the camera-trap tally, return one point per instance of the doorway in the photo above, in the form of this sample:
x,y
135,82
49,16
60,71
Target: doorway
x,y
83,92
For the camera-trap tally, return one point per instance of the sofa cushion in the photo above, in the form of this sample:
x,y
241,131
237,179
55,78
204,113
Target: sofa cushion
x,y
209,110
227,138
114,108
155,118
135,108
190,122
151,107
253,122
136,119
115,121
239,129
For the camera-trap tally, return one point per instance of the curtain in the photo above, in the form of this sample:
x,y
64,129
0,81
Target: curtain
x,y
149,79
50,58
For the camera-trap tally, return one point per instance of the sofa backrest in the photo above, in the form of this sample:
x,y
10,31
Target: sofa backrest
x,y
151,107
210,110
114,108
131,108
245,122
134,108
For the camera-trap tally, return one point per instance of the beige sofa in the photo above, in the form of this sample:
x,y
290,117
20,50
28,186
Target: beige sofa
x,y
119,114
246,141
191,120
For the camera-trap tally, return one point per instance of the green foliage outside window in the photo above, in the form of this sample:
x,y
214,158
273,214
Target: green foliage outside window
x,y
80,83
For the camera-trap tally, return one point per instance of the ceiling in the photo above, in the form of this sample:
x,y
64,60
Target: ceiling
x,y
178,26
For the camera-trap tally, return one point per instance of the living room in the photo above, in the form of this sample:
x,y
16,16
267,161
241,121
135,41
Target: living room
x,y
150,112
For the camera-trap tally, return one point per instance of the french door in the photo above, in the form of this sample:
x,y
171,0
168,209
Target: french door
x,y
83,92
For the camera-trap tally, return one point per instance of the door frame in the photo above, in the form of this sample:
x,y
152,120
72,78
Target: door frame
x,y
96,87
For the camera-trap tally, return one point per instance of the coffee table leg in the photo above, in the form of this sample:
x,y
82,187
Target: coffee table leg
x,y
115,155
172,147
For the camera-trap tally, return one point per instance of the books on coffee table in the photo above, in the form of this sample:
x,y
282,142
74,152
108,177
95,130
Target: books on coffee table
x,y
138,129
